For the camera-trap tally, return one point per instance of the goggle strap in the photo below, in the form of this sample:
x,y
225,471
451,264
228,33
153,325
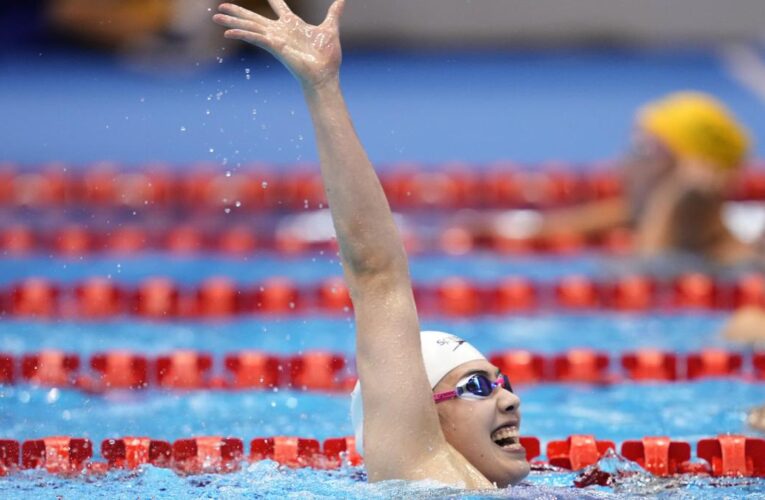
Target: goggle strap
x,y
444,396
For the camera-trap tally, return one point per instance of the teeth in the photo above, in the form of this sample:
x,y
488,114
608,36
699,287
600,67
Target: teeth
x,y
505,433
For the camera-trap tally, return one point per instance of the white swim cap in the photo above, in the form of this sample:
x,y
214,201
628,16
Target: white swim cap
x,y
441,353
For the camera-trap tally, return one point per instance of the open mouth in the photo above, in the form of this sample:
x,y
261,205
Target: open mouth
x,y
505,437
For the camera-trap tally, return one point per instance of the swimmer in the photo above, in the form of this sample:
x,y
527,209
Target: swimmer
x,y
433,407
685,151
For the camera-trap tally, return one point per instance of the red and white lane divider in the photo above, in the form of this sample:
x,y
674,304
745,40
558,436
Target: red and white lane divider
x,y
326,371
221,297
237,240
270,187
721,456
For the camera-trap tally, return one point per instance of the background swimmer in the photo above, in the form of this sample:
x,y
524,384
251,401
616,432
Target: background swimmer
x,y
407,436
685,151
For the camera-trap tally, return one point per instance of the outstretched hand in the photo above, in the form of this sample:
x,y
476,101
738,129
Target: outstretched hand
x,y
311,53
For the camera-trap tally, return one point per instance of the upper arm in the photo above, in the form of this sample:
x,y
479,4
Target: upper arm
x,y
401,427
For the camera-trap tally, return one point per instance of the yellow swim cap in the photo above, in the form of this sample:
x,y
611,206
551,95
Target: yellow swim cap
x,y
697,126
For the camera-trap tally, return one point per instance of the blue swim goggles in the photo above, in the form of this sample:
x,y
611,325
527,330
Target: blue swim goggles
x,y
475,386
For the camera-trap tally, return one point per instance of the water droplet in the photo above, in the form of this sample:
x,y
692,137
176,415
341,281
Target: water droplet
x,y
238,204
52,396
183,129
211,150
264,184
227,210
228,173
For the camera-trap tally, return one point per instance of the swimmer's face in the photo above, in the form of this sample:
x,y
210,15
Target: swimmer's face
x,y
484,431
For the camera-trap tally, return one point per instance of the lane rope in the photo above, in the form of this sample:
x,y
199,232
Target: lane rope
x,y
218,297
264,187
721,456
332,372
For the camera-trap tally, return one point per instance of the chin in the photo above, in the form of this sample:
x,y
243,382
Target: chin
x,y
512,475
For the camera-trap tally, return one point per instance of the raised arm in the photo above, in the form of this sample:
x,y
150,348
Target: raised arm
x,y
401,425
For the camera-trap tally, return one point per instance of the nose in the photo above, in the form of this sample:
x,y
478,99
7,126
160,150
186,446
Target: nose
x,y
508,402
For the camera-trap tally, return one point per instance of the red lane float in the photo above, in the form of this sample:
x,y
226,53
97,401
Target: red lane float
x,y
338,451
9,456
132,452
695,291
121,370
632,293
734,455
577,452
237,241
458,297
650,365
532,447
98,298
514,295
7,370
34,297
522,366
277,296
157,298
333,296
253,369
209,454
18,240
289,451
749,291
127,240
74,241
183,370
581,365
58,455
576,293
217,297
50,368
658,455
713,363
316,371
185,239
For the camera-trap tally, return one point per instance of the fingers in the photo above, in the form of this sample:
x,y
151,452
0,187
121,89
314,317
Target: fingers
x,y
334,13
248,36
280,7
242,13
237,23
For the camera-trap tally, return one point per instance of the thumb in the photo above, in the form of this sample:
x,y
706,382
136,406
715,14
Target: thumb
x,y
334,13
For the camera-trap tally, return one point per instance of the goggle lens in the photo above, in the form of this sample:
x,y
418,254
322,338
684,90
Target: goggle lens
x,y
480,385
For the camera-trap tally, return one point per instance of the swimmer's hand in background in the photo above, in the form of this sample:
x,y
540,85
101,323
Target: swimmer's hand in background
x,y
311,53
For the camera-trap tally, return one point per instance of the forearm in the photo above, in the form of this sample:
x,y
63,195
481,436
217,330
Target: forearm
x,y
586,219
369,241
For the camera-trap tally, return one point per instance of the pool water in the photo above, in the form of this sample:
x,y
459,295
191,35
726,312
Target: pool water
x,y
688,410
520,111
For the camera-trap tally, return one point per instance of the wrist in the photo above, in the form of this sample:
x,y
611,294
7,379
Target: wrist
x,y
329,85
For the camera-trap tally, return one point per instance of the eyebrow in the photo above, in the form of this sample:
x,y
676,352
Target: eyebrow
x,y
485,372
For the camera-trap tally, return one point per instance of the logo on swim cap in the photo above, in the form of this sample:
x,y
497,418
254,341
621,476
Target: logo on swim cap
x,y
451,340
